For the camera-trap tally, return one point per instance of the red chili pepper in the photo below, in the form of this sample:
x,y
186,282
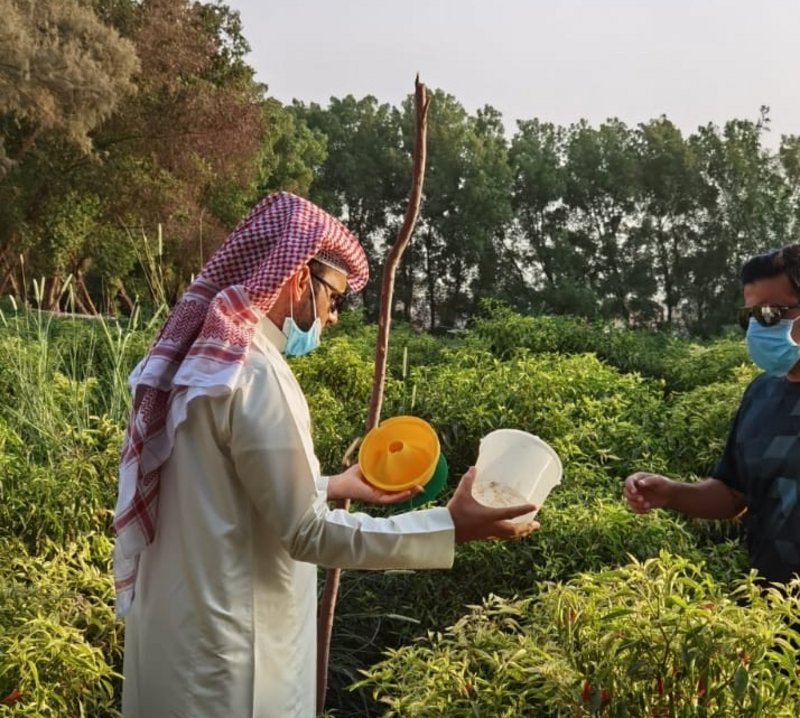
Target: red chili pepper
x,y
15,695
701,688
604,698
586,692
660,686
571,616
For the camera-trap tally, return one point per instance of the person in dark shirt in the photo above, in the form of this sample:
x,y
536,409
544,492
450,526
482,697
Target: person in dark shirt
x,y
759,472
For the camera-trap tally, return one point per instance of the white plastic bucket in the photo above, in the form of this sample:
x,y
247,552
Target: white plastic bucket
x,y
513,468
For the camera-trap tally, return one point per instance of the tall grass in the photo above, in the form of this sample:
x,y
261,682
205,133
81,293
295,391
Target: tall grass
x,y
64,402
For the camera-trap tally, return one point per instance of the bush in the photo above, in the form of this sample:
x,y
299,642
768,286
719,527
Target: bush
x,y
407,346
337,382
636,401
698,365
65,497
698,422
654,638
386,609
589,412
681,363
60,644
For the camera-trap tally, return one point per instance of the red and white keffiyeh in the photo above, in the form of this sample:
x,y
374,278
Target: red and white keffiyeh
x,y
203,344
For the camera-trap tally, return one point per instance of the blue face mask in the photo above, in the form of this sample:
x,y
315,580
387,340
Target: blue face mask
x,y
299,342
772,348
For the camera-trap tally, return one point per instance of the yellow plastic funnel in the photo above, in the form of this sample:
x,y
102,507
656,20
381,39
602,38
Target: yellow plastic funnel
x,y
399,453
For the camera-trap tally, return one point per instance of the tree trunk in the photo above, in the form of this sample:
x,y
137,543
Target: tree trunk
x,y
8,278
666,273
408,293
431,279
127,302
83,296
52,294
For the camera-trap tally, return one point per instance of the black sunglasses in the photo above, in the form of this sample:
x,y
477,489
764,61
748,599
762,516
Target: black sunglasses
x,y
337,299
768,315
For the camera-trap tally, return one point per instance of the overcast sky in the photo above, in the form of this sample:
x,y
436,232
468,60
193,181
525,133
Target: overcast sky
x,y
696,61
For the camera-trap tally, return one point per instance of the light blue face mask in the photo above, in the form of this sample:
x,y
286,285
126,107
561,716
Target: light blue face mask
x,y
772,348
299,342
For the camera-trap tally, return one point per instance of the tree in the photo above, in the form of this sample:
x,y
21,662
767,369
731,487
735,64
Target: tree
x,y
61,71
600,190
749,209
485,213
557,265
460,249
365,175
671,196
292,153
182,159
789,157
448,133
196,121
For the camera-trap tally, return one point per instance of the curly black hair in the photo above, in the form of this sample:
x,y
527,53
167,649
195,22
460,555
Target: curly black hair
x,y
780,261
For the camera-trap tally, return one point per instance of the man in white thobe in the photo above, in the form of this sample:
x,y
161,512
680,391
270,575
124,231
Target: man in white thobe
x,y
223,515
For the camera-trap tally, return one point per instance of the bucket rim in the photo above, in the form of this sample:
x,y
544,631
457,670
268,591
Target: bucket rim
x,y
531,438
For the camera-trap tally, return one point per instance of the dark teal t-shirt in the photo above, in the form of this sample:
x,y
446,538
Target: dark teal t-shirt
x,y
762,460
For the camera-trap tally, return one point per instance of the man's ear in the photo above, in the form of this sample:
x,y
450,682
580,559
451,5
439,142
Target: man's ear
x,y
298,284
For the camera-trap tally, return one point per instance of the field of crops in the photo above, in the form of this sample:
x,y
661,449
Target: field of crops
x,y
600,613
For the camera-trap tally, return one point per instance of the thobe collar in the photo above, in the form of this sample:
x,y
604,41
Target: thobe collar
x,y
267,333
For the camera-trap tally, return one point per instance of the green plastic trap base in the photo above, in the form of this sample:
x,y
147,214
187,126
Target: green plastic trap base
x,y
431,490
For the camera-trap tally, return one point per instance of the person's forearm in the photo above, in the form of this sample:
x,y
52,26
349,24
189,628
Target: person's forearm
x,y
340,539
709,499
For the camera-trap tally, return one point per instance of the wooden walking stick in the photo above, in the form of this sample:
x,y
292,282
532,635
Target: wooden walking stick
x,y
328,605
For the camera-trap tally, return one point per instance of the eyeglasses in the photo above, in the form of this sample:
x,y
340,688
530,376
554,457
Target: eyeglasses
x,y
768,315
337,299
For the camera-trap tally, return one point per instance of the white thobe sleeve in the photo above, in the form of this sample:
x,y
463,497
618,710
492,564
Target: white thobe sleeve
x,y
275,463
321,483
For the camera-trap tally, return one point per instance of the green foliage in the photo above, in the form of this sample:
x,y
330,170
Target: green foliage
x,y
179,144
65,495
604,422
695,429
408,347
61,70
654,638
64,401
587,410
682,364
337,382
608,412
291,152
612,228
59,639
390,609
574,538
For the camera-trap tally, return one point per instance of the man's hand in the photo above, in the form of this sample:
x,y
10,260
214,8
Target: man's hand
x,y
647,491
474,521
707,499
352,485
